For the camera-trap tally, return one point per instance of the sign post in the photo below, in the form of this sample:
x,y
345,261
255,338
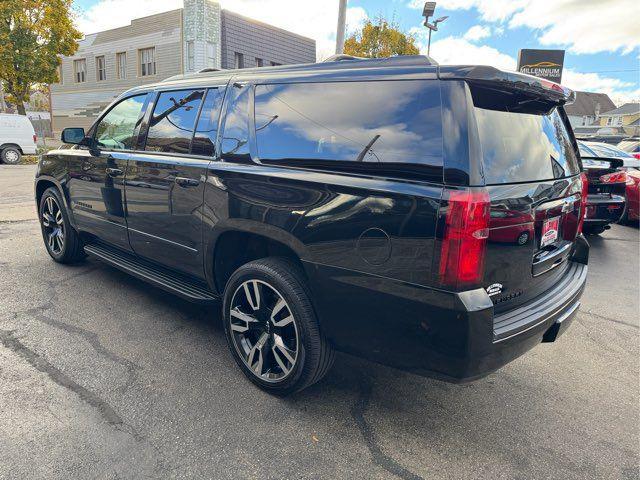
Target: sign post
x,y
541,63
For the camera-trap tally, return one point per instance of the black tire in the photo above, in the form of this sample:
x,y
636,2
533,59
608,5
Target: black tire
x,y
11,155
71,249
593,230
314,355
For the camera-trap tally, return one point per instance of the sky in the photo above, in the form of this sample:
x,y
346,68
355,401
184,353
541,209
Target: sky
x,y
601,39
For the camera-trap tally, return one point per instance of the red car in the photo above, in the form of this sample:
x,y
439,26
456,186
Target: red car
x,y
630,165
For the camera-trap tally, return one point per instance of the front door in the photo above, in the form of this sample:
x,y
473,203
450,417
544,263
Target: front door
x,y
96,175
165,182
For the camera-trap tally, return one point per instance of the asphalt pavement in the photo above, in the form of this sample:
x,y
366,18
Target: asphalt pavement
x,y
103,376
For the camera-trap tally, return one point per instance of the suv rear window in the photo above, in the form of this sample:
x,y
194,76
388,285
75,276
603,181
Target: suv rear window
x,y
525,147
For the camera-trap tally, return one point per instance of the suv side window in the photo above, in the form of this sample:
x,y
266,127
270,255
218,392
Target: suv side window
x,y
235,138
117,130
382,122
173,120
204,139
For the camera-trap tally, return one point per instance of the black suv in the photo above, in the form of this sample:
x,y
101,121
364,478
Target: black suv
x,y
425,217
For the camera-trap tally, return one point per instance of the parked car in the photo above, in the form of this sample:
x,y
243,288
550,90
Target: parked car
x,y
631,146
606,189
630,165
339,206
17,138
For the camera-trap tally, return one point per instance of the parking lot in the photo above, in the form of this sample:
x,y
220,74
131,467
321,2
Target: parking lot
x,y
103,376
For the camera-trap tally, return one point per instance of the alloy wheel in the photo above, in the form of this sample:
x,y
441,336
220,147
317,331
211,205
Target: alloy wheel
x,y
53,225
264,330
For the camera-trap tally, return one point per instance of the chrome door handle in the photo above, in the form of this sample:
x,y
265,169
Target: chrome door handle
x,y
186,182
113,172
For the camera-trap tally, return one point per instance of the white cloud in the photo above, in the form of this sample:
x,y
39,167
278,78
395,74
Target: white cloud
x,y
316,19
460,51
620,91
477,32
579,25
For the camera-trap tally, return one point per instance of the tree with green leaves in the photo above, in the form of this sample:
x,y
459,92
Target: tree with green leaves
x,y
380,39
33,35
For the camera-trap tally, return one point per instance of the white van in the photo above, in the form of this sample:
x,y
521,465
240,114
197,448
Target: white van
x,y
17,138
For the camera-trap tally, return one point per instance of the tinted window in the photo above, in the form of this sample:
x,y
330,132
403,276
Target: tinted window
x,y
235,140
524,147
380,122
205,137
173,120
118,128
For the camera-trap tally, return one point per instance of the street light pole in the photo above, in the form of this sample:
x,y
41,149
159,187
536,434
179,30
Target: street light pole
x,y
428,10
342,18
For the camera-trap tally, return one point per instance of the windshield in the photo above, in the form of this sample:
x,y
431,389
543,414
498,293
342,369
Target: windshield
x,y
608,151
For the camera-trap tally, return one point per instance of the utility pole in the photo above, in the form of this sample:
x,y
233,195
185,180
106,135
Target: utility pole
x,y
342,18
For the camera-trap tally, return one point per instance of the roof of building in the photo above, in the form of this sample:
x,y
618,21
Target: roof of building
x,y
586,103
626,109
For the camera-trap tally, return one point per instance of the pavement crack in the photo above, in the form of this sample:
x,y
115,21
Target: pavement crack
x,y
379,457
8,339
609,319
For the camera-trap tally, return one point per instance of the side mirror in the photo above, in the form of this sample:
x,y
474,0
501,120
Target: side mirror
x,y
74,136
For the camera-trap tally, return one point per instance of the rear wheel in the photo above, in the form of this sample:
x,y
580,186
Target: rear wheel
x,y
60,239
272,329
10,155
593,230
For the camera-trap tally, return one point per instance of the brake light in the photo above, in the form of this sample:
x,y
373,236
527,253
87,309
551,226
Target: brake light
x,y
615,177
35,138
637,155
583,200
465,235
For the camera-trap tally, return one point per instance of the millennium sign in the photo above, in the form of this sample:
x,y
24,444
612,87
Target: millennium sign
x,y
542,63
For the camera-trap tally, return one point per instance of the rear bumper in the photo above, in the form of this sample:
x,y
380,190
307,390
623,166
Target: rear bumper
x,y
513,333
603,209
456,337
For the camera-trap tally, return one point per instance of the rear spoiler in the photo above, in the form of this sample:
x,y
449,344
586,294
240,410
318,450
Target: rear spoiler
x,y
509,82
613,161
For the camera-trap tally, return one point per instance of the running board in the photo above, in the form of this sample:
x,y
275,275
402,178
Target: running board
x,y
175,283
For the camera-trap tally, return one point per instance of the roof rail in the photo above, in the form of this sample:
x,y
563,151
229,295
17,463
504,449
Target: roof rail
x,y
209,69
341,57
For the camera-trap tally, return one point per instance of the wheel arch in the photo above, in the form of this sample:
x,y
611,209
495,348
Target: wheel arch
x,y
42,184
6,145
233,247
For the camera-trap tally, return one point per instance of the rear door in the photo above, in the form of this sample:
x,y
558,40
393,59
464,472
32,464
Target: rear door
x,y
165,182
531,171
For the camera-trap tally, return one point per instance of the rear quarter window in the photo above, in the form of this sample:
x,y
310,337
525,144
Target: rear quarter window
x,y
381,124
524,147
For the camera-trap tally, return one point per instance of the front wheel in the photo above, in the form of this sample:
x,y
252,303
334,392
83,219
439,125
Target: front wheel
x,y
272,329
60,239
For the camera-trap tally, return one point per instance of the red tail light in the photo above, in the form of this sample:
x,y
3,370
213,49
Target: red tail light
x,y
465,235
583,200
35,138
637,155
615,177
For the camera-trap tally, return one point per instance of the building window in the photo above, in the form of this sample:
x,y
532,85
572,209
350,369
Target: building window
x,y
121,65
101,73
191,56
609,120
238,60
147,61
211,55
80,70
259,62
